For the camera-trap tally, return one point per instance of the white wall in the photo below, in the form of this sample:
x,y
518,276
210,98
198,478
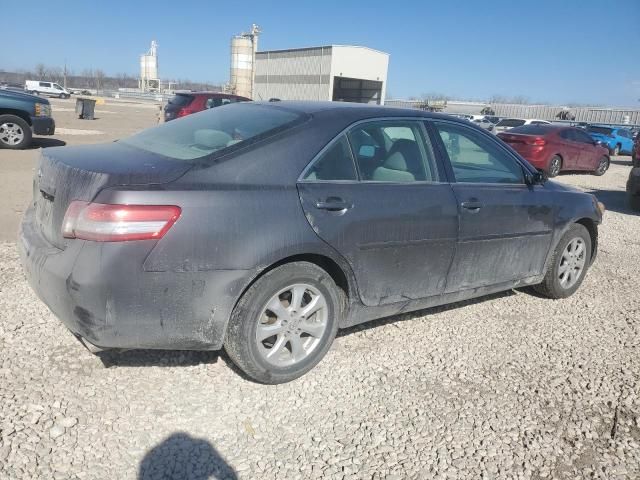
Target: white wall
x,y
360,62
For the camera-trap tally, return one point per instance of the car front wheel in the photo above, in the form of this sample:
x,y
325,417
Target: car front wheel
x,y
285,323
15,133
569,265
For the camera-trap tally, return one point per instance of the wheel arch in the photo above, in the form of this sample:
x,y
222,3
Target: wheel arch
x,y
592,228
18,113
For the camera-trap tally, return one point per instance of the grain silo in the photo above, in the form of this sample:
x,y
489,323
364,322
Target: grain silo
x,y
149,79
243,56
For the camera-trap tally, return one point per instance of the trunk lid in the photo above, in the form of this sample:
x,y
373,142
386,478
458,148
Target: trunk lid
x,y
80,173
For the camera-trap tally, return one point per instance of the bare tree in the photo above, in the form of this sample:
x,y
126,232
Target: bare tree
x,y
99,79
41,71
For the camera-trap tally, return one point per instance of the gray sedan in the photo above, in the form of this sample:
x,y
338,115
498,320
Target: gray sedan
x,y
263,228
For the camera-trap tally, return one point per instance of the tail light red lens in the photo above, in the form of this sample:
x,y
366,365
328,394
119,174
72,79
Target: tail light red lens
x,y
538,142
183,112
118,223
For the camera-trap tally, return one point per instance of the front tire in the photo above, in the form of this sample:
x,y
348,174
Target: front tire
x,y
603,166
569,265
15,133
285,323
555,165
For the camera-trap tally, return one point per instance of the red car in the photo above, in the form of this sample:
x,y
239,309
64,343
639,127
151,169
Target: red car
x,y
554,148
183,104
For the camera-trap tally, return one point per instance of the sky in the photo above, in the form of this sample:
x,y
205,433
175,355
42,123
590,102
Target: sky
x,y
561,52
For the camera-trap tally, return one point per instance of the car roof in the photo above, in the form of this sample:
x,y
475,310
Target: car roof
x,y
363,110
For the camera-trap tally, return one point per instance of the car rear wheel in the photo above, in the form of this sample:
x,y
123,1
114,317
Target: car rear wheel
x,y
285,323
555,165
603,166
15,133
569,265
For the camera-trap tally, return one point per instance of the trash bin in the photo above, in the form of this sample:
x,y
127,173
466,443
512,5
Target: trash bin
x,y
85,108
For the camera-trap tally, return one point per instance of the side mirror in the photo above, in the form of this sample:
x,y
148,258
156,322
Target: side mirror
x,y
537,178
367,151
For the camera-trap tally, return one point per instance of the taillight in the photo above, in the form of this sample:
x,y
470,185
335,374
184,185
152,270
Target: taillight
x,y
118,223
183,112
538,142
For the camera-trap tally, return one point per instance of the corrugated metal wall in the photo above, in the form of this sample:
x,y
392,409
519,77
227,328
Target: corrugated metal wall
x,y
302,74
583,114
609,116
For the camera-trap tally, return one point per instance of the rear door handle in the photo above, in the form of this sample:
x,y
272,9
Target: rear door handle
x,y
337,205
472,205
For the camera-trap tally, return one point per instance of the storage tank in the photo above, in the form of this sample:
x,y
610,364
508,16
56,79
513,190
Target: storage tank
x,y
149,64
242,65
243,57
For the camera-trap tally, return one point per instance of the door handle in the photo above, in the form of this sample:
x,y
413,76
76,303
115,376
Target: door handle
x,y
333,205
472,205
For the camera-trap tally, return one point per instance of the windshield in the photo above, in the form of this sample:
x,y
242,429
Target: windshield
x,y
213,130
511,122
601,130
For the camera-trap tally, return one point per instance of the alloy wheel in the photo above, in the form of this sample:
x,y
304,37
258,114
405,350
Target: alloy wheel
x,y
292,325
572,263
602,166
11,133
555,166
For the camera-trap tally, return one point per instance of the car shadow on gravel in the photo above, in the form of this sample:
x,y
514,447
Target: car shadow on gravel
x,y
622,162
43,142
421,313
185,457
614,200
156,358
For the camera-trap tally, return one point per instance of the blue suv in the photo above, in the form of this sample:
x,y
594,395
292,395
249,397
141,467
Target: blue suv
x,y
619,141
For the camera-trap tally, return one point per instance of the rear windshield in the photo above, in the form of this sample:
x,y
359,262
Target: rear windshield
x,y
181,99
214,130
602,130
510,122
532,129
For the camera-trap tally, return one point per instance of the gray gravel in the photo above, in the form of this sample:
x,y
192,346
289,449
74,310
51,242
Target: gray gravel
x,y
511,386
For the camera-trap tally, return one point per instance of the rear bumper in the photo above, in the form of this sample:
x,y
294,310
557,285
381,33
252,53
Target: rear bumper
x,y
101,293
43,125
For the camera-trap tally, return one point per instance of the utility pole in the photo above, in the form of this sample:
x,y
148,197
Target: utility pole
x,y
64,75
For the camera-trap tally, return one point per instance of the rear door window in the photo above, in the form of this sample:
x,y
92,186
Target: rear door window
x,y
581,136
392,151
335,163
477,159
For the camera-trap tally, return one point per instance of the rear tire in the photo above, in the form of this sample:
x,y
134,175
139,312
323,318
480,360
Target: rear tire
x,y
15,133
555,165
634,202
298,341
603,166
569,264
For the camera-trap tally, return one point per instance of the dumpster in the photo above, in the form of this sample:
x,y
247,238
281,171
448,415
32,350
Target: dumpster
x,y
85,108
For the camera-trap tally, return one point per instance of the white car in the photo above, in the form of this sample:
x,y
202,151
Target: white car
x,y
508,123
37,87
483,122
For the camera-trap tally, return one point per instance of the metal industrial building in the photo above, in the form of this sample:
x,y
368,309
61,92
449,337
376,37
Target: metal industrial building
x,y
335,72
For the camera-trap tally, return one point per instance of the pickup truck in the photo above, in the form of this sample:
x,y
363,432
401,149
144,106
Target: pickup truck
x,y
21,116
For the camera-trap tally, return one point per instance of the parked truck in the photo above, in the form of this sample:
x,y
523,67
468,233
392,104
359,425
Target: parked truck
x,y
22,116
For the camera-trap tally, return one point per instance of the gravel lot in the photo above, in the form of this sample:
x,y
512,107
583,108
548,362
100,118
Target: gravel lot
x,y
509,386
